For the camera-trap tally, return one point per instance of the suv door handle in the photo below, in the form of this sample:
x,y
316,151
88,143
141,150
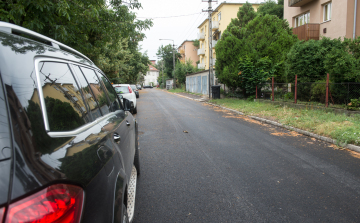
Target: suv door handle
x,y
117,138
127,123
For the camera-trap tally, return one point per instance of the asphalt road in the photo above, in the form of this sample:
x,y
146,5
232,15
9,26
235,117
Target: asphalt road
x,y
227,168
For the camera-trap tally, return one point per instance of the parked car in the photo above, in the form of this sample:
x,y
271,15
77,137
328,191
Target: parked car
x,y
136,91
126,91
138,87
61,156
148,86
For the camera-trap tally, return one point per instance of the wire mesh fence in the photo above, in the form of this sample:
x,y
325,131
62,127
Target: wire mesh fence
x,y
339,95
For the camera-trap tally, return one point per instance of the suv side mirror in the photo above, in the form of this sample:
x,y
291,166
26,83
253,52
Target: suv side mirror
x,y
127,104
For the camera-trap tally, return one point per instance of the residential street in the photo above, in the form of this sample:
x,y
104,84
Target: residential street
x,y
204,164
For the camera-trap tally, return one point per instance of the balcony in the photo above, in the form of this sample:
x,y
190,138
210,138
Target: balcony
x,y
182,51
307,32
214,42
215,25
201,66
201,36
201,51
298,3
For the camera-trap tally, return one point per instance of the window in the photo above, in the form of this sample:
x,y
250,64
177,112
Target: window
x,y
90,101
110,91
327,12
219,16
64,105
302,19
219,35
97,90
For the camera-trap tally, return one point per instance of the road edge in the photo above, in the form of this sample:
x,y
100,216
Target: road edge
x,y
300,131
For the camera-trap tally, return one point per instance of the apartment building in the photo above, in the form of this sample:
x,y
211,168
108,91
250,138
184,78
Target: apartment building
x,y
221,18
151,77
188,51
314,19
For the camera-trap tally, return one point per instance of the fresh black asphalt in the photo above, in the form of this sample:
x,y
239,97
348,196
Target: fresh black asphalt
x,y
203,164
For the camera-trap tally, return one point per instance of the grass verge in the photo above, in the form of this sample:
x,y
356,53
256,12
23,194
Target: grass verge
x,y
345,129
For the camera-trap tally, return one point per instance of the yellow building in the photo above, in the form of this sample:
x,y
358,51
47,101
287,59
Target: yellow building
x,y
221,18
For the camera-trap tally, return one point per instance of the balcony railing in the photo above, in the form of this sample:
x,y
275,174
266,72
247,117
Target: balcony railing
x,y
214,42
307,31
298,3
213,61
201,66
201,36
201,51
215,25
182,51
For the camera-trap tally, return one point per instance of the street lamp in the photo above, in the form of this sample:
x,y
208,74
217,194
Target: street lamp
x,y
174,82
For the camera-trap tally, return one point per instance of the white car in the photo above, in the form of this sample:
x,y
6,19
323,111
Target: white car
x,y
126,91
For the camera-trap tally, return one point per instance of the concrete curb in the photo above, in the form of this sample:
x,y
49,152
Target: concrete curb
x,y
303,132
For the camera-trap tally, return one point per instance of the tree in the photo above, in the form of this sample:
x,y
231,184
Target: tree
x,y
272,8
182,69
105,31
166,52
245,14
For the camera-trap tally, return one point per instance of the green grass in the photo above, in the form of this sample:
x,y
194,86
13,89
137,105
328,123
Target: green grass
x,y
177,90
345,129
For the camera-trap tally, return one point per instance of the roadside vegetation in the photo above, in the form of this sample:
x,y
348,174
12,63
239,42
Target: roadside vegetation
x,y
107,32
345,129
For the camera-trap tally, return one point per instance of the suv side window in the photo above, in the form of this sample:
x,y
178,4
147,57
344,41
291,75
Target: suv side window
x,y
97,89
64,105
111,92
5,149
90,100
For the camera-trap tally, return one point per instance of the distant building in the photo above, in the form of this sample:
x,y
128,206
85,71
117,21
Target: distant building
x,y
152,75
221,18
188,51
314,19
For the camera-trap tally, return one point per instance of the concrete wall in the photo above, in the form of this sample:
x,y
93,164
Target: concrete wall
x,y
342,17
198,82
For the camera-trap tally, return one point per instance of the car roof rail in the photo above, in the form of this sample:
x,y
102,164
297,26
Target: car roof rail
x,y
15,29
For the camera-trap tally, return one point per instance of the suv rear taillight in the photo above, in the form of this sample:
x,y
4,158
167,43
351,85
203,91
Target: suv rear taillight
x,y
130,89
57,203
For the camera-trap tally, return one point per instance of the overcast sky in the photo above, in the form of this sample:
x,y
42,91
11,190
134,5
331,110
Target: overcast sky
x,y
169,22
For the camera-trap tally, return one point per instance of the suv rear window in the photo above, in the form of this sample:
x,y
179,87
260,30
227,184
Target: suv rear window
x,y
122,90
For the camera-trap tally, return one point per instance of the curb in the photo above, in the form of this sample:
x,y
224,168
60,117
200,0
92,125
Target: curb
x,y
303,132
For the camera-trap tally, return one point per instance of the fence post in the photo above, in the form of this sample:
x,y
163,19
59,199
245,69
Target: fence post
x,y
327,91
256,92
273,93
295,89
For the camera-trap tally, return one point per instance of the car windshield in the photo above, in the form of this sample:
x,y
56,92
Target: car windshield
x,y
133,87
122,90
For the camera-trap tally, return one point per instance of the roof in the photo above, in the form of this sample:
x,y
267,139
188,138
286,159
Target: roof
x,y
152,68
224,3
185,42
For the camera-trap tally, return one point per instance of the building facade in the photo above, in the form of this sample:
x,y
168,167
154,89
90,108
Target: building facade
x,y
188,51
151,77
314,19
221,18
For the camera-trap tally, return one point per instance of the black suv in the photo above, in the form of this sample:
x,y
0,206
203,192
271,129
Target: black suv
x,y
69,149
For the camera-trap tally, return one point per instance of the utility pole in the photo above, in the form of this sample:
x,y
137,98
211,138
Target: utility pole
x,y
211,74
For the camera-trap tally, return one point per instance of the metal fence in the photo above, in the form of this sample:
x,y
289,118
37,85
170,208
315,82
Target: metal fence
x,y
338,94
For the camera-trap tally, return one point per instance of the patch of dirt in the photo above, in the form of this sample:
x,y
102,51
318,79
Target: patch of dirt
x,y
292,133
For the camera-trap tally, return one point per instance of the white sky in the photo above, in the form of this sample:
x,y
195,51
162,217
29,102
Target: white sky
x,y
177,28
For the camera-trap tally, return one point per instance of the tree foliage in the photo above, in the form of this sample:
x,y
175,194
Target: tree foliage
x,y
272,8
182,69
312,60
105,31
245,14
257,48
166,53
